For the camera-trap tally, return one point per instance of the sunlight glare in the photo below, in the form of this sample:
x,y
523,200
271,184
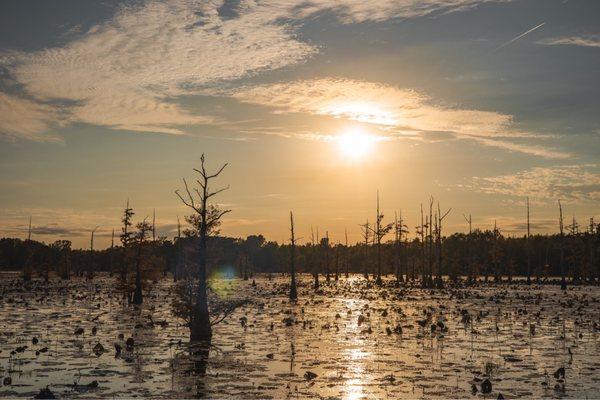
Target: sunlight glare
x,y
355,144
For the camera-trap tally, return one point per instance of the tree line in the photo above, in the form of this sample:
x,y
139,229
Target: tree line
x,y
138,258
485,255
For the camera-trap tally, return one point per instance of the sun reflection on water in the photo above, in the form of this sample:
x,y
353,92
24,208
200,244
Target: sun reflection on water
x,y
354,387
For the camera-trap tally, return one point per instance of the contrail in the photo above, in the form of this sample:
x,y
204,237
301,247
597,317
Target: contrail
x,y
520,36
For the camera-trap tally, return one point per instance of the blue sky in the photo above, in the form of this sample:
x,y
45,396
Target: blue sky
x,y
478,103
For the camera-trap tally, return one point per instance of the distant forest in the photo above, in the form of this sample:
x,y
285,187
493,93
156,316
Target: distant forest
x,y
481,254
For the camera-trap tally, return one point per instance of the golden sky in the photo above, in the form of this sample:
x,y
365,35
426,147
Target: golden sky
x,y
316,105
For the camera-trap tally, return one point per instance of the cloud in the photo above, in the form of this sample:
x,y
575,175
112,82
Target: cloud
x,y
51,223
393,110
585,41
130,72
517,226
577,183
355,11
23,118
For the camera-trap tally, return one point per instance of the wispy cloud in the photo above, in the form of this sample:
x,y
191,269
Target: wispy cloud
x,y
394,110
130,71
24,118
518,226
51,223
585,41
576,183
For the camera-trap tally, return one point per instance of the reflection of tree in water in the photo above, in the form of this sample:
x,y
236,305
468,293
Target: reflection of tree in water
x,y
146,337
199,353
202,369
189,366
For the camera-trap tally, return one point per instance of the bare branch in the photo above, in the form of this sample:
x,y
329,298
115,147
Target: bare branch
x,y
218,172
185,202
444,216
217,192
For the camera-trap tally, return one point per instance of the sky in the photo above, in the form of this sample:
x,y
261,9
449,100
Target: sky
x,y
315,105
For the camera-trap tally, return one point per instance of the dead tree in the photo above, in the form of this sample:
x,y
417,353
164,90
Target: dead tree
x,y
470,266
429,237
528,247
575,258
423,248
178,252
440,218
112,253
209,217
154,224
401,233
325,246
346,261
496,253
397,247
563,282
126,238
379,231
90,274
594,275
337,262
366,229
293,289
426,249
143,228
314,257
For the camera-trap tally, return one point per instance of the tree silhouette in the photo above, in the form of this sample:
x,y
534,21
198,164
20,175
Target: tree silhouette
x,y
208,219
143,230
379,231
126,238
293,289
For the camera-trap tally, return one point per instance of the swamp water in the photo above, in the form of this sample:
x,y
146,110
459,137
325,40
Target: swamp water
x,y
349,341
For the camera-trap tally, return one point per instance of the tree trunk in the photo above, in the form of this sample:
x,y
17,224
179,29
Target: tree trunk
x,y
293,288
200,328
137,295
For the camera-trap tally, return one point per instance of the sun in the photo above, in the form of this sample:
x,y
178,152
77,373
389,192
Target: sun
x,y
355,144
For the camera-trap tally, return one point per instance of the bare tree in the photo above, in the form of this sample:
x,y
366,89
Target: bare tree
x,y
379,231
593,229
143,229
440,218
325,246
528,246
154,224
421,232
178,252
90,274
314,257
112,253
429,238
496,253
366,234
126,238
346,261
471,267
563,282
293,288
209,218
337,262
